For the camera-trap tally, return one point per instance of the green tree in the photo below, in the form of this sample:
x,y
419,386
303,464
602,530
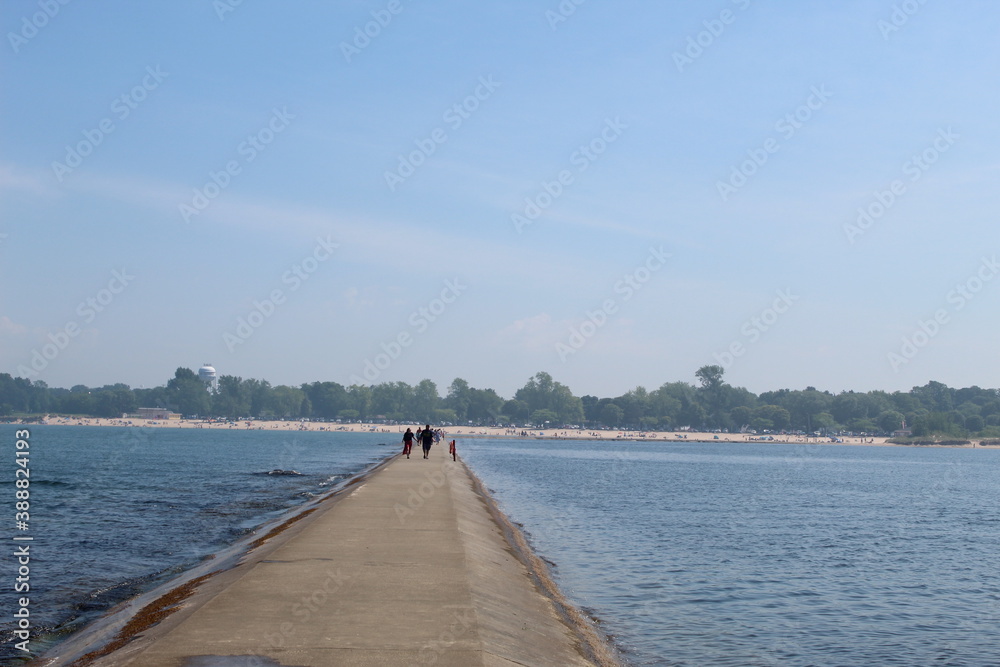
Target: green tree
x,y
261,397
114,401
712,392
232,400
862,425
905,403
591,410
425,401
39,396
889,421
154,397
359,399
847,407
327,398
710,377
936,423
974,423
485,406
934,396
544,418
634,405
693,415
459,398
515,410
777,416
612,415
542,393
17,395
806,405
824,421
667,402
188,394
444,416
391,400
875,403
79,401
287,402
740,416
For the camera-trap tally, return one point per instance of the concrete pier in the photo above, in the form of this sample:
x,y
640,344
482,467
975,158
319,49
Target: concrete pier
x,y
413,565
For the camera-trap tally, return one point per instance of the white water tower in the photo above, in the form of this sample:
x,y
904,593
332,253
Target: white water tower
x,y
208,375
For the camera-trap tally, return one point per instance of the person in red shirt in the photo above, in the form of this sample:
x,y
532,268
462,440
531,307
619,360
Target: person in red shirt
x,y
407,442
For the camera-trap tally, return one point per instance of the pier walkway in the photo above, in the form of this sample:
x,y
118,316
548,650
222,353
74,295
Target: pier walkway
x,y
410,566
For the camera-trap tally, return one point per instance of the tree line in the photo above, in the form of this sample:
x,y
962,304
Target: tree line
x,y
710,404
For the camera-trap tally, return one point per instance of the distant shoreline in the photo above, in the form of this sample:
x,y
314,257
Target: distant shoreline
x,y
482,432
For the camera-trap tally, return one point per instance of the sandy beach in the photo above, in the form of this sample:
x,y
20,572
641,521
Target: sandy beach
x,y
395,432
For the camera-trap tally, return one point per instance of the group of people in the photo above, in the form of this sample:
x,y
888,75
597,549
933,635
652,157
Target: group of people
x,y
427,437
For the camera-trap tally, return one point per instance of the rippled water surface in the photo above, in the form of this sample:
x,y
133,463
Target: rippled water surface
x,y
115,511
766,554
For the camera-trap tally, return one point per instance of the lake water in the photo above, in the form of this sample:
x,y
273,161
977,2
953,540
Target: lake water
x,y
116,511
688,553
766,554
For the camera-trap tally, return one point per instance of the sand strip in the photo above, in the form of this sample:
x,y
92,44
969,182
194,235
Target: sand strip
x,y
394,433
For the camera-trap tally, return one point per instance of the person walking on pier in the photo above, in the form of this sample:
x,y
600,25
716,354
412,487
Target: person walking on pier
x,y
427,439
407,442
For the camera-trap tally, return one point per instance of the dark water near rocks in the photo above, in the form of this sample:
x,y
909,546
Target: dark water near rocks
x,y
765,554
116,511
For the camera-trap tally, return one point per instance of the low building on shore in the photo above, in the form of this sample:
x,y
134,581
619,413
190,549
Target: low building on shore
x,y
156,413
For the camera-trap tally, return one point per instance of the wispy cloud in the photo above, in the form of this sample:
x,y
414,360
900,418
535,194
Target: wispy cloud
x,y
533,333
16,178
364,239
9,328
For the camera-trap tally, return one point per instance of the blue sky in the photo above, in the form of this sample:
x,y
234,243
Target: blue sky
x,y
619,198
